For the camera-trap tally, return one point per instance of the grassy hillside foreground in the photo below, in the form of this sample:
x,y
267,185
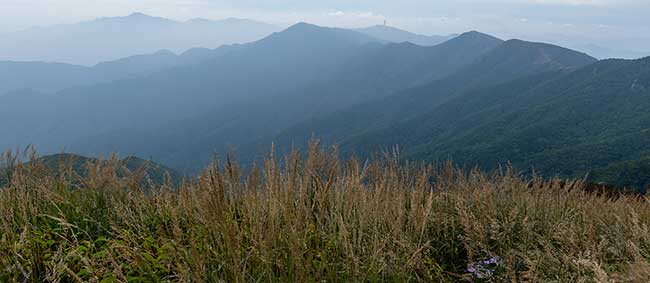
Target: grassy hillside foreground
x,y
317,219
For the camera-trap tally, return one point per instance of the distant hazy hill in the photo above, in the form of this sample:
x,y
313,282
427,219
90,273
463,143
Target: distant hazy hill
x,y
53,77
396,35
108,39
41,76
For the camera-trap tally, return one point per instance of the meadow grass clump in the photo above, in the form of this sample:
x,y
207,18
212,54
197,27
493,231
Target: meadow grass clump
x,y
315,218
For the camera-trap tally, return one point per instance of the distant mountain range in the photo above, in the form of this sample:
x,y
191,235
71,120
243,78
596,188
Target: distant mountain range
x,y
49,77
53,77
474,98
108,39
396,35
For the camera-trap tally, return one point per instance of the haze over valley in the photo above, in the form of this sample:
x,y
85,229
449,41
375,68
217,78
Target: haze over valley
x,y
471,97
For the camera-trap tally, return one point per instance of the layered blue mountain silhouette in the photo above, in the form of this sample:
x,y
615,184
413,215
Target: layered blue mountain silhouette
x,y
471,97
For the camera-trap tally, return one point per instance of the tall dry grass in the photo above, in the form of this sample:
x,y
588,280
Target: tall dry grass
x,y
316,218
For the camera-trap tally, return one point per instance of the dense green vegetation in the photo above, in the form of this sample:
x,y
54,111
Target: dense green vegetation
x,y
566,124
631,173
316,219
571,122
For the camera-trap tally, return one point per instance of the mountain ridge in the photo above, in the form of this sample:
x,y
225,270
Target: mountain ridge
x,y
476,98
588,120
110,38
396,35
214,82
356,84
496,66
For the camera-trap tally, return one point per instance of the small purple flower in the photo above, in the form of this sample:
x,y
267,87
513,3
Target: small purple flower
x,y
493,260
483,269
484,274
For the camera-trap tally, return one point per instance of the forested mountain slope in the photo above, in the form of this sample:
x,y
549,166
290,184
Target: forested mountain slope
x,y
475,99
509,61
571,124
373,71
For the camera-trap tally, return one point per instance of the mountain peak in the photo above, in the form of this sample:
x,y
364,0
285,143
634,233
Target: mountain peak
x,y
299,30
304,32
141,17
517,58
383,27
474,38
138,15
397,35
303,26
165,52
477,35
133,17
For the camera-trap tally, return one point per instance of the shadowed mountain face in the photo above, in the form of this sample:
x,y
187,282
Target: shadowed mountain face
x,y
277,64
369,71
396,35
108,39
508,61
474,98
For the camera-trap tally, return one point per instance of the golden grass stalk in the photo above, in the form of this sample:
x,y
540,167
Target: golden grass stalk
x,y
314,217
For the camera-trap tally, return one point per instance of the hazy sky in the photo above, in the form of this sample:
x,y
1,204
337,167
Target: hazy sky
x,y
623,24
